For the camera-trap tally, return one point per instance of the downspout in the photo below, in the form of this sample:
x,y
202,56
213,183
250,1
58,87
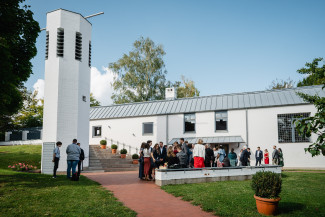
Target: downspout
x,y
167,129
247,128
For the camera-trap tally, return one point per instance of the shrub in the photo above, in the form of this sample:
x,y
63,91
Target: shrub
x,y
113,146
103,142
267,184
123,151
135,156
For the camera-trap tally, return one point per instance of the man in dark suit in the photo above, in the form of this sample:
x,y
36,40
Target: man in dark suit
x,y
244,156
258,156
163,153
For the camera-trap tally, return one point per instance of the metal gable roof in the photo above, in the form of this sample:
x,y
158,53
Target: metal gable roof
x,y
249,100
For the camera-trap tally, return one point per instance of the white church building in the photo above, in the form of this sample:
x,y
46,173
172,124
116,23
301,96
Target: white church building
x,y
263,118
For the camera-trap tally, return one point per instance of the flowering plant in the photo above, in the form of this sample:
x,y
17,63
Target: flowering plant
x,y
22,167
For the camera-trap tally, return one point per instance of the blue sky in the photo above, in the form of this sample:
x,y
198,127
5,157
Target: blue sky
x,y
224,46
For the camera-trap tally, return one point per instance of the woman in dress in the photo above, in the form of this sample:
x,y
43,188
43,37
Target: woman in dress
x,y
171,158
146,157
155,155
199,154
281,162
266,156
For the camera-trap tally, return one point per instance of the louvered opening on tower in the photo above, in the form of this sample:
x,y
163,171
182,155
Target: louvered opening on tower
x,y
60,43
47,45
78,46
89,61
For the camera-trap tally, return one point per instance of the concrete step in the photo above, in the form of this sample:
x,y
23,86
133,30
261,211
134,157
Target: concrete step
x,y
93,171
120,169
122,166
95,168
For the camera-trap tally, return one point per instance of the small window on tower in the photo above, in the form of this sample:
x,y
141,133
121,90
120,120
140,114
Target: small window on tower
x,y
78,52
89,61
84,98
60,42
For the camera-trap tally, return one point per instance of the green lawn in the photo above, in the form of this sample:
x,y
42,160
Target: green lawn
x,y
303,194
27,194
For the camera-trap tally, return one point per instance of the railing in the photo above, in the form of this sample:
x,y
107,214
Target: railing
x,y
131,149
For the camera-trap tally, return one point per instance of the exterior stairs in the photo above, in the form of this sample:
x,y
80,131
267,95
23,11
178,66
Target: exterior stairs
x,y
102,160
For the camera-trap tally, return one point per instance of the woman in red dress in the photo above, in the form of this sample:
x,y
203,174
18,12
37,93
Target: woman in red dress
x,y
266,156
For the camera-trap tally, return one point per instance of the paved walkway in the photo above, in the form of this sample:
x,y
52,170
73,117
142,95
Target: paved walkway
x,y
144,197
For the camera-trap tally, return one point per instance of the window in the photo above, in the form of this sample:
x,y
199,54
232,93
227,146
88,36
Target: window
x,y
78,52
189,122
147,128
60,42
221,120
97,131
84,98
89,60
287,132
47,45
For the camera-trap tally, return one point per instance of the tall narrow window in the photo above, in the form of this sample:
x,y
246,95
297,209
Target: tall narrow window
x,y
221,120
189,122
47,45
60,42
89,61
287,132
78,52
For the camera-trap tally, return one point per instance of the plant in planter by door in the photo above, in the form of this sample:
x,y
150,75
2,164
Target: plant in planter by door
x,y
135,158
123,153
113,147
267,188
103,144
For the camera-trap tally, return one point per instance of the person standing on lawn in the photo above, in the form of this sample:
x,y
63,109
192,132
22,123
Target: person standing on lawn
x,y
266,156
182,156
81,158
281,162
209,156
232,158
244,156
163,153
275,156
258,156
73,154
199,154
56,157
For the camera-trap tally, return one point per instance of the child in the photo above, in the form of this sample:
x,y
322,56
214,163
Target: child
x,y
56,157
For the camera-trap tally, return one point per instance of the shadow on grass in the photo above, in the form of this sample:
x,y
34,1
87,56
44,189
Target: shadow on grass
x,y
289,207
39,181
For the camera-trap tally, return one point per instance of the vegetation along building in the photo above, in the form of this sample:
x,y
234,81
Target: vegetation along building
x,y
263,118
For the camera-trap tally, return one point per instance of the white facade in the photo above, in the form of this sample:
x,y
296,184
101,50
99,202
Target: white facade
x,y
67,86
257,127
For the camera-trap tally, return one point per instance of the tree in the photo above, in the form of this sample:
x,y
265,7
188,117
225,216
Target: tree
x,y
17,47
31,114
140,75
281,84
186,88
315,74
314,124
93,101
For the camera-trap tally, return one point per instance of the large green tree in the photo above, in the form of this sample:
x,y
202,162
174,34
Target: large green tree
x,y
140,75
314,72
31,113
17,47
186,88
314,124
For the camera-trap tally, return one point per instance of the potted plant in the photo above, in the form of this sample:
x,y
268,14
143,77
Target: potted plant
x,y
267,187
123,153
113,147
103,144
135,158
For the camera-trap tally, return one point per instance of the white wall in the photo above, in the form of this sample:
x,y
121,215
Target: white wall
x,y
262,131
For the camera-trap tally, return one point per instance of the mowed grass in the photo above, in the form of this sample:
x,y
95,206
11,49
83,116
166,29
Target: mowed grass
x,y
303,194
28,194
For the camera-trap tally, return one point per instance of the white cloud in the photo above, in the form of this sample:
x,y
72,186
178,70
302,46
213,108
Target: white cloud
x,y
100,85
39,86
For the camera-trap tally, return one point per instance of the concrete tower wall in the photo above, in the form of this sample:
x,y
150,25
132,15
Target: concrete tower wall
x,y
67,87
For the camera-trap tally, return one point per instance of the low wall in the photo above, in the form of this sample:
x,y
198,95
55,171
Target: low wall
x,y
21,142
188,175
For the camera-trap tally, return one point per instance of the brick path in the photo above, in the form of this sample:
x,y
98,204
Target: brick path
x,y
144,197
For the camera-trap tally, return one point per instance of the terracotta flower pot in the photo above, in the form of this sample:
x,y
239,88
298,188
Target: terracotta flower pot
x,y
103,146
135,161
123,155
113,151
267,206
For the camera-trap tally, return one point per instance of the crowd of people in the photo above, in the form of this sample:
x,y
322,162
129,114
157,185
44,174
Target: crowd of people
x,y
184,155
75,156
